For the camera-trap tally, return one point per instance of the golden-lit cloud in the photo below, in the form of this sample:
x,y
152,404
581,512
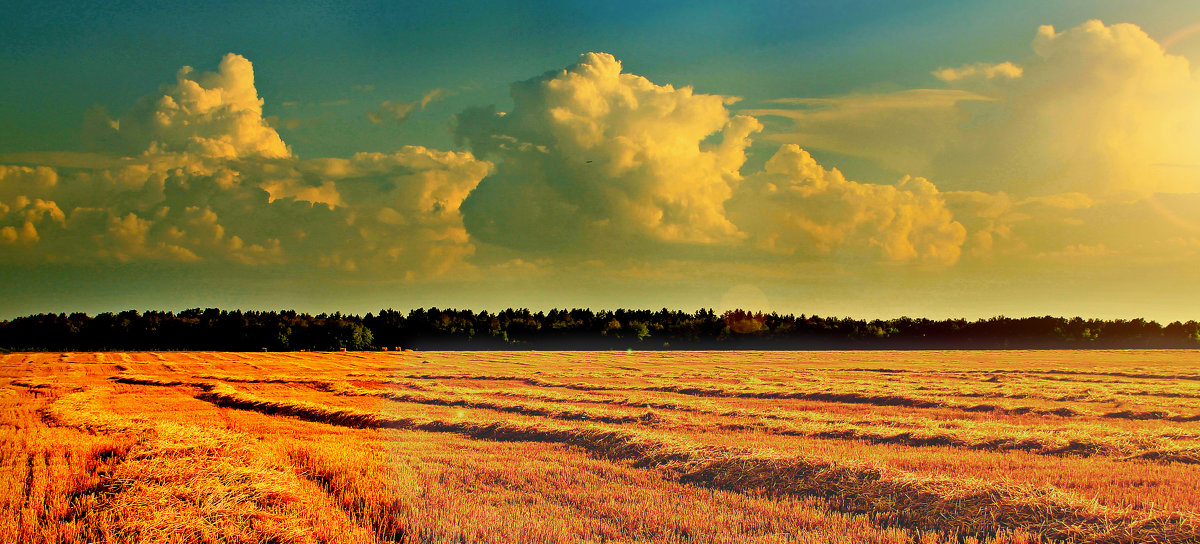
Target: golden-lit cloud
x,y
980,70
208,114
1048,159
20,215
193,174
403,208
796,206
1099,109
592,154
904,129
589,157
1005,227
1084,152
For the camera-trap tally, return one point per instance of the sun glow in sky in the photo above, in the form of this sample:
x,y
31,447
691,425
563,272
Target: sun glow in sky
x,y
869,159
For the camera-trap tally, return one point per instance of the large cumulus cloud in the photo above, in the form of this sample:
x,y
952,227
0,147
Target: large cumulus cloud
x,y
196,175
1049,156
592,161
1099,109
401,209
1077,160
796,206
209,114
591,153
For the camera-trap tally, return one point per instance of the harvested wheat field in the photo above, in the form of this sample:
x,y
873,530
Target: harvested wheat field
x,y
821,447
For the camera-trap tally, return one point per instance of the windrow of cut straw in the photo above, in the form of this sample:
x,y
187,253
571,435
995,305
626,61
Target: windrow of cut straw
x,y
848,397
1038,443
1027,441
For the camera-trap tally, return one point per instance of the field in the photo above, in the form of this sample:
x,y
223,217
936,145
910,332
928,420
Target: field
x,y
504,447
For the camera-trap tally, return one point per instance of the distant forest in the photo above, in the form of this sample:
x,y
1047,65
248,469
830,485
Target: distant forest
x,y
448,329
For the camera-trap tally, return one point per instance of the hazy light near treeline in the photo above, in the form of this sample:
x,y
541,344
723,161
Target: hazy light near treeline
x,y
745,296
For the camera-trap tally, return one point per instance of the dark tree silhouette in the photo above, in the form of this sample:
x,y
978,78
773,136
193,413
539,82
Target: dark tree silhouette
x,y
434,328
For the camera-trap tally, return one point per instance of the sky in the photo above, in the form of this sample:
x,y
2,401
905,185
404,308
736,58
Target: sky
x,y
869,159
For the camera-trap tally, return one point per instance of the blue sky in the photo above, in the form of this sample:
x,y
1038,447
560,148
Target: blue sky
x,y
64,57
850,84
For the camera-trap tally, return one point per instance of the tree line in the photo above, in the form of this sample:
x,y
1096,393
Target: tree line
x,y
576,329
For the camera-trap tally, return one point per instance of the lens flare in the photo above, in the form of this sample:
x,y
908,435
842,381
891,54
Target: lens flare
x,y
1179,35
1183,223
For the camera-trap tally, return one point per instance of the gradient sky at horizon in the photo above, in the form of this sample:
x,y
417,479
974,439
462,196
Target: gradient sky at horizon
x,y
865,159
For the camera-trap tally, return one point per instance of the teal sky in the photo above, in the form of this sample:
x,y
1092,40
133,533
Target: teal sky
x,y
64,57
1063,182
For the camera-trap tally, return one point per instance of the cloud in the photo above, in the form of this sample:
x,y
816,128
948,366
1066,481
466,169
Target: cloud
x,y
399,112
1010,230
21,217
1079,251
980,70
796,206
591,165
377,214
1056,156
1002,226
594,160
403,208
207,114
589,155
904,129
1095,111
16,181
199,177
433,96
66,159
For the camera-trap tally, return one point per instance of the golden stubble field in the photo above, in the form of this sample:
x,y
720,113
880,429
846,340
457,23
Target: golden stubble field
x,y
505,447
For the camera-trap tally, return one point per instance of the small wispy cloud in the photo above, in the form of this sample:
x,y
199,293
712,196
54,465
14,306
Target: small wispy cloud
x,y
1003,70
399,112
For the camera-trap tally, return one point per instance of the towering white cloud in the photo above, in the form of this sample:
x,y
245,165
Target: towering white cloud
x,y
591,153
1100,109
208,114
593,161
1097,109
